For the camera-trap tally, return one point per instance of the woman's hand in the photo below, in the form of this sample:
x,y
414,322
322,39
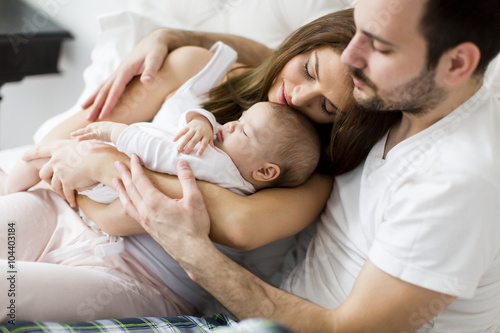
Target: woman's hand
x,y
68,167
169,221
145,59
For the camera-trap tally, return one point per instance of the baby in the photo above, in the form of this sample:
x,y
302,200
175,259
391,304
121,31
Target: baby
x,y
270,145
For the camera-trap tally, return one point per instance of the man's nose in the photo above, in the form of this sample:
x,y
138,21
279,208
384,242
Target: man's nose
x,y
354,53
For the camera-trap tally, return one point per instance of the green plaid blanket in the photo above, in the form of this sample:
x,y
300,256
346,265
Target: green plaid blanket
x,y
217,323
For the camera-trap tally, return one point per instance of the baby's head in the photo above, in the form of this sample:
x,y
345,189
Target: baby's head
x,y
271,145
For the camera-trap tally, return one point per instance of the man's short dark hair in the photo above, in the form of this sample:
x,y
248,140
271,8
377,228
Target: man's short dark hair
x,y
448,23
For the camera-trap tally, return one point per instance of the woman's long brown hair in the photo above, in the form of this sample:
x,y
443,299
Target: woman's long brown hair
x,y
348,140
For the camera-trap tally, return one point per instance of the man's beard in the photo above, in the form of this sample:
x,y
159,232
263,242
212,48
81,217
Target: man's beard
x,y
416,96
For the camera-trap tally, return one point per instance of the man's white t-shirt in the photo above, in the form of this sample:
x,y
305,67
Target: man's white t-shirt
x,y
429,214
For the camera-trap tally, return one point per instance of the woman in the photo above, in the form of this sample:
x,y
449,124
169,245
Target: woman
x,y
301,73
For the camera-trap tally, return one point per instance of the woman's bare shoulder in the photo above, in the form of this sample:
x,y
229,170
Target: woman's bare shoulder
x,y
190,56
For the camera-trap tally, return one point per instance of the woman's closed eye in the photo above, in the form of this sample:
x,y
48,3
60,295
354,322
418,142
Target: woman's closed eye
x,y
306,71
325,109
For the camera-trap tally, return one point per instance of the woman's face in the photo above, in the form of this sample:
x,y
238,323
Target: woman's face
x,y
314,83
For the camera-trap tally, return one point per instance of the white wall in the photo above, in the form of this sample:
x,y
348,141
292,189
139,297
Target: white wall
x,y
26,104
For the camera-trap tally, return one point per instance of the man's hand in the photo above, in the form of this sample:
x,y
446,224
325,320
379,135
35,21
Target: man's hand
x,y
174,223
145,59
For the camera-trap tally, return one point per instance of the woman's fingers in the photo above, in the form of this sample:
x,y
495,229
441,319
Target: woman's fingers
x,y
46,172
56,185
38,151
69,194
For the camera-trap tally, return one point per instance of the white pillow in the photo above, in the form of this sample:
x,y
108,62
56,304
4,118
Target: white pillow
x,y
267,21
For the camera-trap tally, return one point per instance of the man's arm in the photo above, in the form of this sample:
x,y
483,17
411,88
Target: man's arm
x,y
250,52
378,302
149,55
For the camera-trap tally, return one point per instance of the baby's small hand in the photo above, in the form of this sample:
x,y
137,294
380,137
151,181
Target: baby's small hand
x,y
96,131
199,129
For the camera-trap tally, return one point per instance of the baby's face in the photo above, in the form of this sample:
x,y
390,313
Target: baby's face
x,y
246,139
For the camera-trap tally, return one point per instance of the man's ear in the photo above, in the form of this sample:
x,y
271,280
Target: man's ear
x,y
460,63
266,173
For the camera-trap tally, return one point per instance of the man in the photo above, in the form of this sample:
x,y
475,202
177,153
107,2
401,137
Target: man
x,y
421,249
411,239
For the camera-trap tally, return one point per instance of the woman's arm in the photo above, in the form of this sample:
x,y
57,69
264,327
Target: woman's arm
x,y
138,103
240,222
150,53
237,221
110,218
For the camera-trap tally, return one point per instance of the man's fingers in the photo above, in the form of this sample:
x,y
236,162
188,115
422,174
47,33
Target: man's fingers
x,y
127,204
99,100
126,178
190,191
152,65
114,93
90,100
142,183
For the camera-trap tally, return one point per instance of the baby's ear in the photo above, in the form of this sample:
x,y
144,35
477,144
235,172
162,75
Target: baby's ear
x,y
266,173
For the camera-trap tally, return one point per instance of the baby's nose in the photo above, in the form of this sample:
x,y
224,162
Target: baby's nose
x,y
230,126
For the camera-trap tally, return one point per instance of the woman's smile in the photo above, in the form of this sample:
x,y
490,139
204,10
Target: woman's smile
x,y
283,96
